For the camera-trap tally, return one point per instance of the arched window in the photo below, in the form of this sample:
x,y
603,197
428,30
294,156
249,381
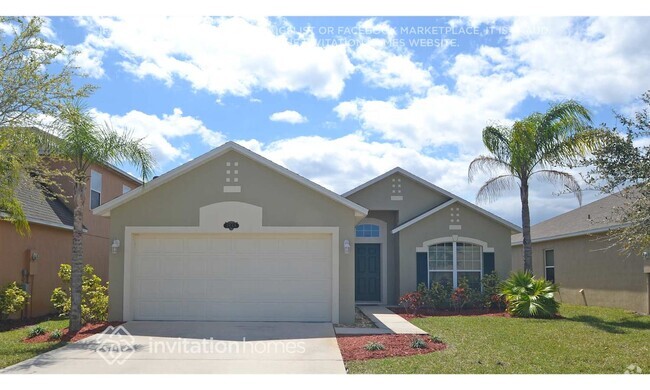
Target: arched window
x,y
367,230
450,261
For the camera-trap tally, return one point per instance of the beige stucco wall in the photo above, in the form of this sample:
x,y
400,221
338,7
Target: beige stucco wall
x,y
473,225
285,202
608,279
416,198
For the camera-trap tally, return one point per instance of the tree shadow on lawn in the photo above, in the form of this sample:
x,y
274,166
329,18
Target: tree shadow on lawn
x,y
616,327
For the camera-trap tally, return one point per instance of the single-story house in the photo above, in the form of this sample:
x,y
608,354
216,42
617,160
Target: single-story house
x,y
33,260
573,250
232,236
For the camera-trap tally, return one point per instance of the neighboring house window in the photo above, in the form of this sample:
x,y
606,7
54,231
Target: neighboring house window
x,y
549,265
450,261
125,189
95,189
367,230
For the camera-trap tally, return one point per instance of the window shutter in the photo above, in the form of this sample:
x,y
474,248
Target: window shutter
x,y
488,263
422,268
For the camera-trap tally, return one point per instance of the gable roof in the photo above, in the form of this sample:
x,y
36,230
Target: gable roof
x,y
106,208
40,209
433,187
423,215
594,217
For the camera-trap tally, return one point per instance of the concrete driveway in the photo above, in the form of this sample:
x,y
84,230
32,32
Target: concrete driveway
x,y
197,348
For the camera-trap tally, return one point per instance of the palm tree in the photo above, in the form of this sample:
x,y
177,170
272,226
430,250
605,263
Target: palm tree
x,y
82,142
531,147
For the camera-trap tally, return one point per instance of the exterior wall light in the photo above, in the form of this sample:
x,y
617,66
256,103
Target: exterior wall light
x,y
114,246
346,246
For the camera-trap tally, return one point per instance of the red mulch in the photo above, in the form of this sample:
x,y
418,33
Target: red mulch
x,y
86,331
446,313
352,347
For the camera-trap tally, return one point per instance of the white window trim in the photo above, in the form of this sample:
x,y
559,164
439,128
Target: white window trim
x,y
369,224
454,268
101,188
546,267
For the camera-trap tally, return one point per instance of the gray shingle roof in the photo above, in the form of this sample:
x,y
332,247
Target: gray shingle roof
x,y
589,218
41,209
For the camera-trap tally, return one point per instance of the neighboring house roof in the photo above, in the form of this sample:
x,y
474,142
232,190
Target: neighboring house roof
x,y
43,210
433,187
594,217
106,208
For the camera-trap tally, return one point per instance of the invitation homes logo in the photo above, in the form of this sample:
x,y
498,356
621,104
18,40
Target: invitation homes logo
x,y
116,345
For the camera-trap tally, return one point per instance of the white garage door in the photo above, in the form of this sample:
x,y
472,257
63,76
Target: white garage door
x,y
233,277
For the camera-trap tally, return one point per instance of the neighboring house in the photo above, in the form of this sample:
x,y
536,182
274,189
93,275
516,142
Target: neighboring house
x,y
35,259
232,236
572,250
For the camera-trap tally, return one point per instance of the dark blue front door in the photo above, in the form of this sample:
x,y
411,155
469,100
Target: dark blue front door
x,y
366,273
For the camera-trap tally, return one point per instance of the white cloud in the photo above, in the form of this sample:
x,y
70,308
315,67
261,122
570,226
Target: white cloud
x,y
384,63
223,55
288,116
160,131
441,117
88,59
341,164
599,60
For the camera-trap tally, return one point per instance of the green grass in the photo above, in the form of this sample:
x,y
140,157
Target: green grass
x,y
588,340
14,350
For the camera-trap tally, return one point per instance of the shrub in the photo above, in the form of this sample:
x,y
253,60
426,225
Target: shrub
x,y
438,295
36,331
374,346
436,339
412,302
56,334
527,296
12,299
94,295
491,297
418,343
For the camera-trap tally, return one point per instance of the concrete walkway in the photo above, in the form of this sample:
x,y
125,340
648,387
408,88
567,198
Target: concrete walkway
x,y
385,319
166,347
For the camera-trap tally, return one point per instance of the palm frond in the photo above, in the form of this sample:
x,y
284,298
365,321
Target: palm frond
x,y
123,147
496,139
565,179
495,187
487,164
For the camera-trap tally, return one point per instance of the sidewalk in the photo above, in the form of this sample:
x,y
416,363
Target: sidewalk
x,y
387,323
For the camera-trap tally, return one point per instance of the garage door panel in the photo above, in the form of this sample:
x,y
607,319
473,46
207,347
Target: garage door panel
x,y
171,265
147,266
195,266
270,277
195,289
147,289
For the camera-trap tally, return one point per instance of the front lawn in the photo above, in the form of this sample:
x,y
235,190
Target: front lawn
x,y
14,350
587,340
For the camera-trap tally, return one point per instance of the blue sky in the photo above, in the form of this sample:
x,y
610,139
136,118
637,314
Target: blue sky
x,y
341,100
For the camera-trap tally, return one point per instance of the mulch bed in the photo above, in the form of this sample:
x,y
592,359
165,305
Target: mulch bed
x,y
447,313
352,347
86,331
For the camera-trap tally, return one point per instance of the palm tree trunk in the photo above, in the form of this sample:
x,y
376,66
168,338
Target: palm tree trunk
x,y
525,222
77,255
